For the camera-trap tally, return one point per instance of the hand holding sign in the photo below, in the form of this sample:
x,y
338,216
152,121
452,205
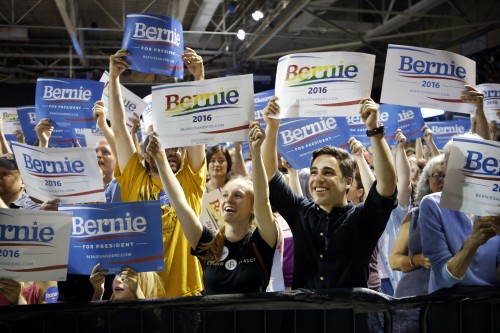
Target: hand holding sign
x,y
482,230
194,63
400,139
472,96
97,281
369,112
257,136
44,131
117,63
271,113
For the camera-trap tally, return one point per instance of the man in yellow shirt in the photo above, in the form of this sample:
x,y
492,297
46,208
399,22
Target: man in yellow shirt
x,y
183,274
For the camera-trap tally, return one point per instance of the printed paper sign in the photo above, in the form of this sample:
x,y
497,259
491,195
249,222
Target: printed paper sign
x,y
131,102
203,112
116,235
10,120
147,115
406,118
299,137
323,84
472,183
491,99
210,213
27,118
69,174
156,44
428,78
63,137
92,136
68,102
34,245
443,131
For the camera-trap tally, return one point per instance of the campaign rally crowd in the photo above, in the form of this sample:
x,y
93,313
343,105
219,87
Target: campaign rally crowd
x,y
370,218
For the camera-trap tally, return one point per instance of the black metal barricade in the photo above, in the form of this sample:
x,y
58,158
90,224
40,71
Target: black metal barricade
x,y
339,310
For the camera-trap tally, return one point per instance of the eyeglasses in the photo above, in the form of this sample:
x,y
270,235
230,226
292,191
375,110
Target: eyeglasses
x,y
439,176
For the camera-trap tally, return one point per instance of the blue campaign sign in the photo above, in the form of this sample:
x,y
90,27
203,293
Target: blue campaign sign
x,y
63,137
358,130
443,131
27,118
408,119
67,102
116,235
156,44
299,137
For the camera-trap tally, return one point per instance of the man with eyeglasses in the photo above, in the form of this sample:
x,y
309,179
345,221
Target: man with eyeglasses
x,y
183,274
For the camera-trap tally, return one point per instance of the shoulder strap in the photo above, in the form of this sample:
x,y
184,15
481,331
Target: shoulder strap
x,y
261,261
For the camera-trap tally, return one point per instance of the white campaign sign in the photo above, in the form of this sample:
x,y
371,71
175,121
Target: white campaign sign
x,y
324,84
131,102
34,245
10,120
203,112
427,78
472,183
491,99
71,175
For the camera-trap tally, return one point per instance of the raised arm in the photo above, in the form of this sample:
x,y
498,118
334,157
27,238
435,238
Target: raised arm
x,y
382,158
472,96
367,176
270,144
427,134
262,208
402,170
238,167
194,63
191,225
293,177
43,131
100,115
126,148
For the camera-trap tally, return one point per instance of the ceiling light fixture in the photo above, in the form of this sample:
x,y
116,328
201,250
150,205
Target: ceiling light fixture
x,y
241,34
257,15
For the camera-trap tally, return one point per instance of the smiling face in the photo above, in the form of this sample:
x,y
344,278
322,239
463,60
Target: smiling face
x,y
327,184
237,201
121,289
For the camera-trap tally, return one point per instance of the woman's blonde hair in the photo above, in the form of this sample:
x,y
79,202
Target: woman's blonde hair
x,y
213,249
150,283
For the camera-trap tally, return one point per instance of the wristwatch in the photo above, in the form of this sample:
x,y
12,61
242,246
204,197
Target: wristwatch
x,y
375,131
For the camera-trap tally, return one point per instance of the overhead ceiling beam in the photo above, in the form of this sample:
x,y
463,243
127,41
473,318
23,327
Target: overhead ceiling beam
x,y
338,46
400,20
306,18
204,16
285,15
69,23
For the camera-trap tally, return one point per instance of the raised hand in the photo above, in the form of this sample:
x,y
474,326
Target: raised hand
x,y
194,63
400,138
97,281
257,136
44,130
154,148
369,113
356,147
271,112
117,63
99,111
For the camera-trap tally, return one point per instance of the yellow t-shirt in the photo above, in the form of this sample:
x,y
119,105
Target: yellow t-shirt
x,y
183,273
